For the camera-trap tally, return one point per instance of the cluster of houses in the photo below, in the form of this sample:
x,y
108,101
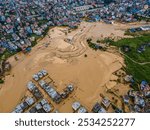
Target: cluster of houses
x,y
138,100
38,103
97,108
39,75
22,107
22,21
30,105
51,91
34,90
102,107
41,107
67,91
124,11
138,29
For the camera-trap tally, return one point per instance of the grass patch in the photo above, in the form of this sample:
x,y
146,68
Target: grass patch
x,y
95,46
135,43
140,72
6,55
1,81
106,40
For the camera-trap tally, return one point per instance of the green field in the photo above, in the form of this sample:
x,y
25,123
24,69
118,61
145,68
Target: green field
x,y
6,55
139,71
134,43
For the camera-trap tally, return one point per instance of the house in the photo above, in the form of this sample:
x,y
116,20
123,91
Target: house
x,y
47,108
146,94
52,93
102,110
145,28
39,75
36,92
15,37
76,106
118,110
97,108
30,101
106,102
18,109
128,78
33,110
132,93
137,108
38,106
141,49
126,48
68,90
44,72
139,101
126,99
82,110
58,98
42,83
70,87
24,105
132,30
31,86
83,8
35,77
144,85
43,102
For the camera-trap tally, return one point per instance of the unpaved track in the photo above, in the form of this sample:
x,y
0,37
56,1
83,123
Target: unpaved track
x,y
139,63
79,42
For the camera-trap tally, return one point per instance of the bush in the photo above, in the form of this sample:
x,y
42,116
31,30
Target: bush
x,y
85,55
1,81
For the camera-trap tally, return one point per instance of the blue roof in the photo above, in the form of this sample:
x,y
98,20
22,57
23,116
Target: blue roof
x,y
144,82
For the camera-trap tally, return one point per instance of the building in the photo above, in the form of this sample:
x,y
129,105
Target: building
x,y
82,110
106,102
83,8
76,106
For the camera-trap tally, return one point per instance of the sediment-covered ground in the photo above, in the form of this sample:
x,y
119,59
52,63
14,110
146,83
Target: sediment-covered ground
x,y
66,63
